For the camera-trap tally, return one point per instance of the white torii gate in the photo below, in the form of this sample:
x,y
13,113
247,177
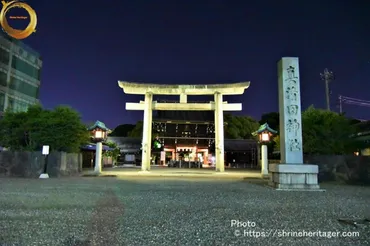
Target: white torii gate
x,y
148,105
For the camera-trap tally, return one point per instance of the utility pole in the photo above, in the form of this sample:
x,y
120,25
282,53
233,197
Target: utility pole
x,y
340,104
327,76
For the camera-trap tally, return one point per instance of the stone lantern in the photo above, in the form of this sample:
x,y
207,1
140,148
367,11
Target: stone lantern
x,y
99,133
264,133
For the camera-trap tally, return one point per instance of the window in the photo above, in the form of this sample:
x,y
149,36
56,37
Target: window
x,y
10,104
4,56
26,68
23,87
3,77
29,90
2,101
14,83
20,106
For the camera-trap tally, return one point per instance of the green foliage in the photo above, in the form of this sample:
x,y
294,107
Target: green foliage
x,y
122,130
276,141
60,128
240,127
89,123
137,132
112,153
272,119
353,121
326,132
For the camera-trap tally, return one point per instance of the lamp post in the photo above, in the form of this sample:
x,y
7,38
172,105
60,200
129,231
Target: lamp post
x,y
99,134
264,133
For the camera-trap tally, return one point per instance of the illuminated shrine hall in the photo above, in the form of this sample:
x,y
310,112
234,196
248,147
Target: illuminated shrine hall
x,y
190,136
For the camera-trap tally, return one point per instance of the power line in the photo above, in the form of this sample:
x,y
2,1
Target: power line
x,y
358,104
352,101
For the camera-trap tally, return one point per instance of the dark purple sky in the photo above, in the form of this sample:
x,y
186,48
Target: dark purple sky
x,y
87,46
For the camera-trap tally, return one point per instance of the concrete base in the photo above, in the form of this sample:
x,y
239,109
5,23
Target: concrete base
x,y
44,176
144,172
300,177
265,176
127,165
221,173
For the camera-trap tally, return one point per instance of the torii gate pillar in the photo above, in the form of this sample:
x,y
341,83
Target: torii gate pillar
x,y
147,133
219,133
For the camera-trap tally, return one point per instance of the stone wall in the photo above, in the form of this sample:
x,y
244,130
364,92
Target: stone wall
x,y
351,169
31,164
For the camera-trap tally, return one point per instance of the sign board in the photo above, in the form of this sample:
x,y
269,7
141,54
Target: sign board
x,y
129,158
45,149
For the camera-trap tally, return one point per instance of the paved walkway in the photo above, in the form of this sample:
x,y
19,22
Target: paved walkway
x,y
180,172
177,211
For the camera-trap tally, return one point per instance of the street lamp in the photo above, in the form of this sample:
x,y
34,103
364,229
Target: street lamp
x,y
99,134
264,133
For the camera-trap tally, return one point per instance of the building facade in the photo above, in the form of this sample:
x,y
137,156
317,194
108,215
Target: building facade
x,y
183,136
363,136
20,75
130,150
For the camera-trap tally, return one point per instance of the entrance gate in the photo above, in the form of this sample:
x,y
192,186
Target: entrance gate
x,y
218,106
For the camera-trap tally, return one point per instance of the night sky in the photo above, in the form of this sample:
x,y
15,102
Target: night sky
x,y
87,46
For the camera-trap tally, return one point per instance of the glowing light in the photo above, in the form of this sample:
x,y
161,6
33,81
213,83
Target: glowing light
x,y
265,137
98,134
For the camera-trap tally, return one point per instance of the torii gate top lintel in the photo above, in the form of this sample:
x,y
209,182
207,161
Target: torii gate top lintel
x,y
162,89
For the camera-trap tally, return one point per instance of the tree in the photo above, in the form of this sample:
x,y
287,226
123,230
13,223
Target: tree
x,y
114,153
13,130
239,127
60,128
122,130
354,121
137,132
272,119
326,132
276,141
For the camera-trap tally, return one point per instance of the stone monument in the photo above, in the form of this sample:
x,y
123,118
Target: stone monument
x,y
291,173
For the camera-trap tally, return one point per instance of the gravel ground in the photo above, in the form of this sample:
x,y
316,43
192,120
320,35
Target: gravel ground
x,y
165,211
